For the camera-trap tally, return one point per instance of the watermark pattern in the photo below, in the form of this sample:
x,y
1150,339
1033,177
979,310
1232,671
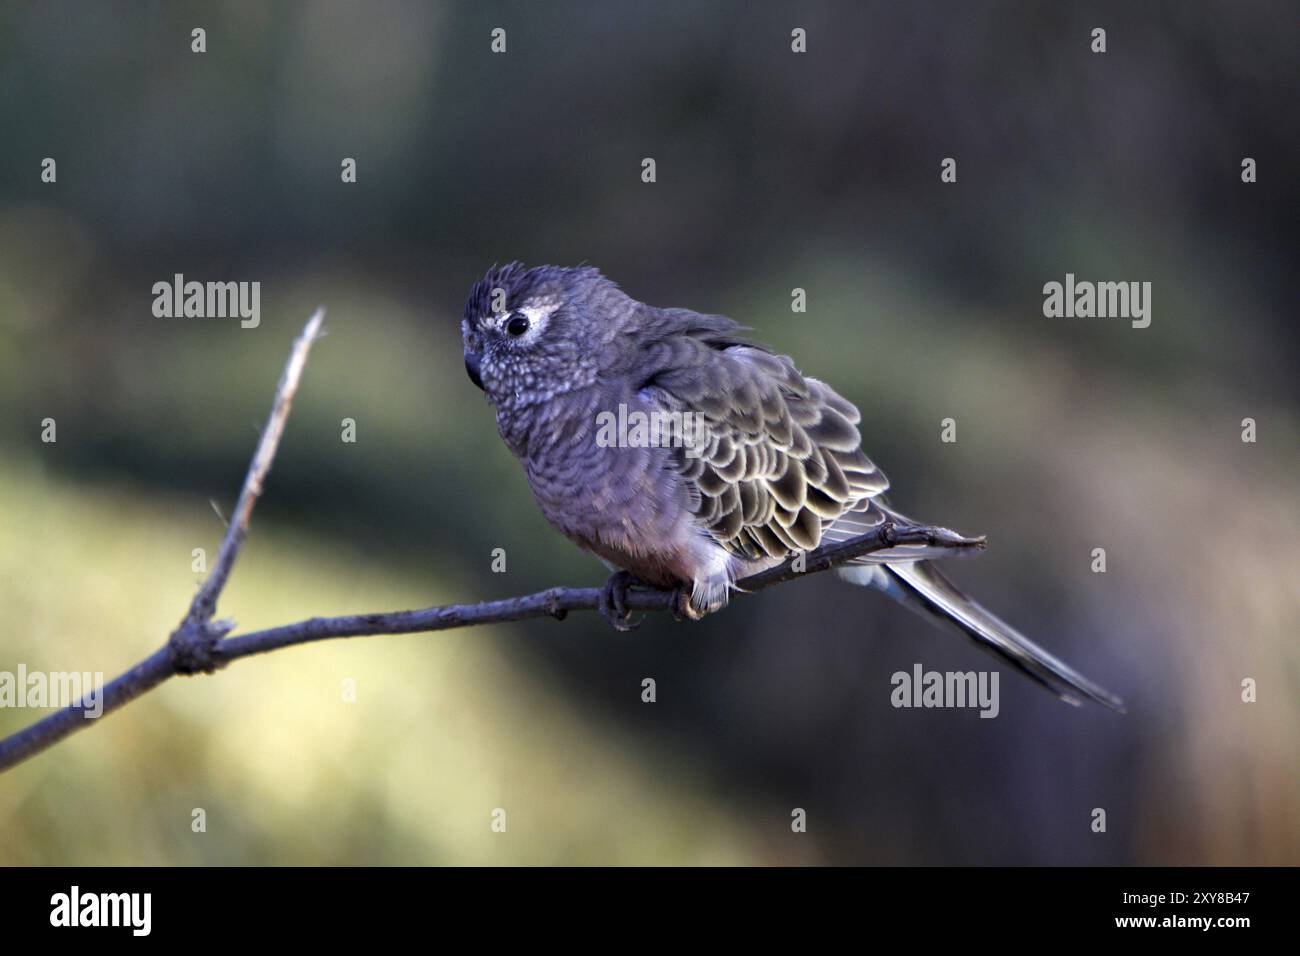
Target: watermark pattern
x,y
208,300
655,429
952,689
24,688
1103,300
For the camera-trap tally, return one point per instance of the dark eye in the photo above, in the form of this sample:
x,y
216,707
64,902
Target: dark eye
x,y
518,325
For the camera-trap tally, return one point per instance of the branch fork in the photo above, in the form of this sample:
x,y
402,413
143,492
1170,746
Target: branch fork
x,y
193,645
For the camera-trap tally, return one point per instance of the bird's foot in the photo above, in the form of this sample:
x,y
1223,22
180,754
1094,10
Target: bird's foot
x,y
613,601
681,607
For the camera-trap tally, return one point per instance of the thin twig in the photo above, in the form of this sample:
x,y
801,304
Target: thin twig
x,y
205,602
199,645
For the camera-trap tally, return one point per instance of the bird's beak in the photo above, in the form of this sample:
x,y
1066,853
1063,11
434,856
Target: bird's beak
x,y
471,369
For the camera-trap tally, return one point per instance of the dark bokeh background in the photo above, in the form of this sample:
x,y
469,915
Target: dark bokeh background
x,y
775,171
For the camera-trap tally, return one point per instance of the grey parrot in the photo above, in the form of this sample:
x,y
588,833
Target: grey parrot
x,y
773,465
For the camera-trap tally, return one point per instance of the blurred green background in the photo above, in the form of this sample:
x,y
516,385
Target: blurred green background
x,y
775,171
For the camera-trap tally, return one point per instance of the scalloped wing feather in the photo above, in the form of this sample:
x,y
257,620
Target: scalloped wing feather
x,y
781,461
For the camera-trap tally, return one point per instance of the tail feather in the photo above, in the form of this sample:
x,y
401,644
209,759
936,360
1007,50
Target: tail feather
x,y
920,586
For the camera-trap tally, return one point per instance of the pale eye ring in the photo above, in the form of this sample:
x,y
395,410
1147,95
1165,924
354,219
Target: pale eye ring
x,y
517,325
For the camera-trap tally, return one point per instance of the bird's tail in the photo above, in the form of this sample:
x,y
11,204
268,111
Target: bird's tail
x,y
920,586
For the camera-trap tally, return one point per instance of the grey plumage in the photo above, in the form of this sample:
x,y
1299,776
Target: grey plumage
x,y
779,466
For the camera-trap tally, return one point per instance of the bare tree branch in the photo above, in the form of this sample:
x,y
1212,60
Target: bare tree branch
x,y
205,602
193,642
200,645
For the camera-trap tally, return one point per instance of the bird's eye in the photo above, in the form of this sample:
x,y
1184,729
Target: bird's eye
x,y
517,326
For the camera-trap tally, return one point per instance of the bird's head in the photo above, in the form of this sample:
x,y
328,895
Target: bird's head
x,y
530,334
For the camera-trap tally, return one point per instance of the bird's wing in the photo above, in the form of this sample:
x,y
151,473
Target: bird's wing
x,y
780,458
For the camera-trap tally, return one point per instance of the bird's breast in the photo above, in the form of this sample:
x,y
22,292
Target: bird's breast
x,y
610,494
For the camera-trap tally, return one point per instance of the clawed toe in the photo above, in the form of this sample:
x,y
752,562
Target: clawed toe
x,y
613,601
681,607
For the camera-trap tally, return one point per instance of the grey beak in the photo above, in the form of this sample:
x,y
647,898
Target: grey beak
x,y
471,369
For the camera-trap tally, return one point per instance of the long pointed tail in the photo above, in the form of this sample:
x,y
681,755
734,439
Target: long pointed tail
x,y
920,586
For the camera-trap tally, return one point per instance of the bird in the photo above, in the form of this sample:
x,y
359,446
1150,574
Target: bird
x,y
774,466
